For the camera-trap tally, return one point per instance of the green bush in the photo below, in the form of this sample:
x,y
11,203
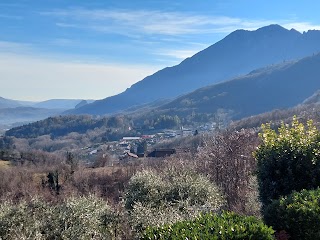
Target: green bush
x,y
298,214
288,160
226,226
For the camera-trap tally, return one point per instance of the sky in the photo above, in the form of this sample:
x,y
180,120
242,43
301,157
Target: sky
x,y
92,49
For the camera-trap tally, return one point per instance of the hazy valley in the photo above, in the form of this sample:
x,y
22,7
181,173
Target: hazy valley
x,y
15,113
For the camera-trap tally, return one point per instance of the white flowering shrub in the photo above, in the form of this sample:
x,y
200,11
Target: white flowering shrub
x,y
80,218
74,218
146,186
176,194
23,220
185,185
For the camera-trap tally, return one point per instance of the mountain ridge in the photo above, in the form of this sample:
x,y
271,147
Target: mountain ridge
x,y
7,103
281,86
58,103
238,53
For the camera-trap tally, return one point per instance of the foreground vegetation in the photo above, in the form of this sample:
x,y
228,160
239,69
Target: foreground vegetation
x,y
212,226
218,190
74,218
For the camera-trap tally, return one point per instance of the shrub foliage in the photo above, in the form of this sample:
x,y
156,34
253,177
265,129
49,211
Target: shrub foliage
x,y
155,198
227,158
74,218
298,214
225,226
288,160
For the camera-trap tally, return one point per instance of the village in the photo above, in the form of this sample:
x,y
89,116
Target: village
x,y
147,145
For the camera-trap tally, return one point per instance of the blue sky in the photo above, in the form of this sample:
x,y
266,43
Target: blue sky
x,y
97,48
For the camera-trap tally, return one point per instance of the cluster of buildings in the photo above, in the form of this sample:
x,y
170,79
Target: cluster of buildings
x,y
134,147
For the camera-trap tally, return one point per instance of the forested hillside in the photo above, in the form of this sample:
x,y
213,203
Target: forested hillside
x,y
275,87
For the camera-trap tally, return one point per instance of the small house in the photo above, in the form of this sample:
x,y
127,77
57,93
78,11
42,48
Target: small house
x,y
162,152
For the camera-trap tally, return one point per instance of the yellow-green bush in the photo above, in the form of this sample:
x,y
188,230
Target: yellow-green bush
x,y
288,160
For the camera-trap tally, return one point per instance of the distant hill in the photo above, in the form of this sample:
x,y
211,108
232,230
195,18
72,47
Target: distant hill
x,y
314,99
21,115
278,87
237,54
8,103
81,104
304,112
60,103
16,113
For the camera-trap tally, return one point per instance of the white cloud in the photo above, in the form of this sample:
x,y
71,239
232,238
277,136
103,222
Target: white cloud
x,y
177,54
301,26
32,78
157,28
134,22
150,22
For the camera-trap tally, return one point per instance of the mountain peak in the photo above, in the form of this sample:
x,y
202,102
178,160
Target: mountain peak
x,y
277,29
272,27
270,30
238,53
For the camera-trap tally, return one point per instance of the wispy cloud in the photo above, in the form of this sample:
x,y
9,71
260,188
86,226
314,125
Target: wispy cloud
x,y
157,28
12,17
150,22
177,54
301,26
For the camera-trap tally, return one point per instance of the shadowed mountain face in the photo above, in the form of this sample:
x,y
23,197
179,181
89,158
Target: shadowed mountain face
x,y
237,54
277,87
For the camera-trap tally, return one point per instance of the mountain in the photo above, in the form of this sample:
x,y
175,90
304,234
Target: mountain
x,y
314,99
7,103
263,90
303,112
277,87
48,104
21,115
81,104
59,103
16,112
238,53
